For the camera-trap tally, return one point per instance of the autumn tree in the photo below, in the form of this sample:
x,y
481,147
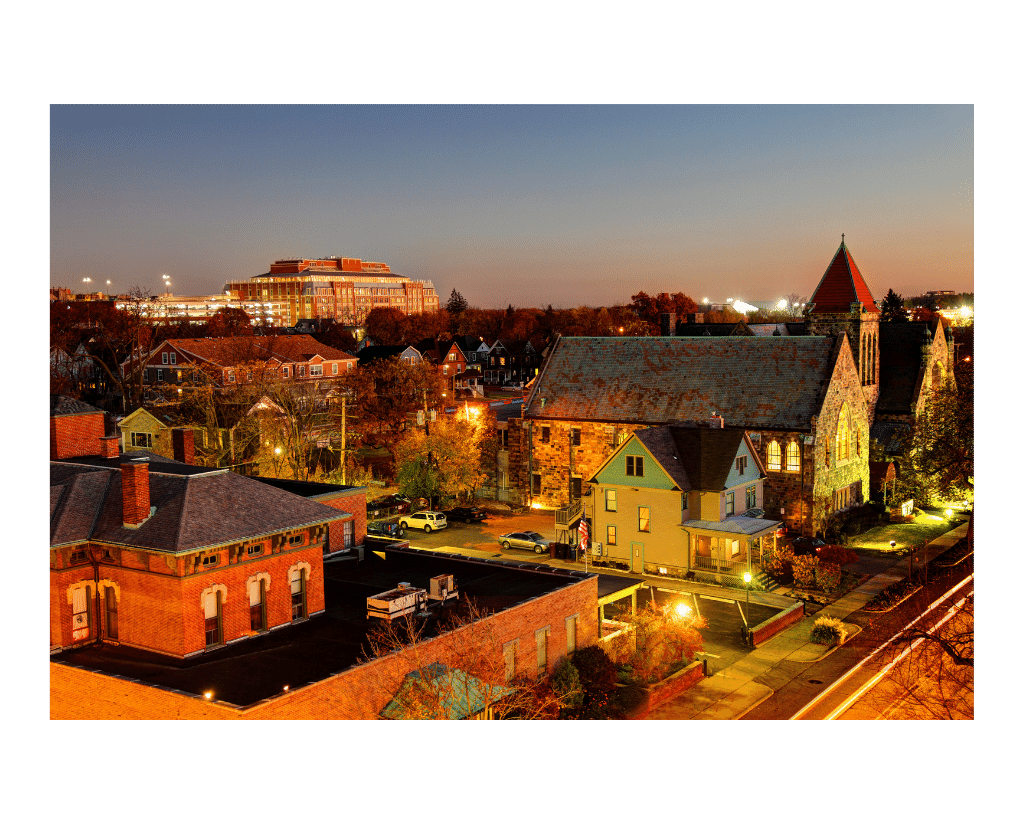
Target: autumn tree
x,y
441,463
336,336
663,637
456,303
892,308
385,325
229,322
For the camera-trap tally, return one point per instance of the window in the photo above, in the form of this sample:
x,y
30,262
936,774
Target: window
x,y
334,369
610,502
348,366
451,356
445,369
610,536
174,357
576,488
211,560
545,434
302,371
509,652
77,557
735,546
142,439
503,438
110,598
575,437
316,370
212,610
570,633
634,466
644,519
258,605
159,374
542,650
297,580
843,441
730,503
458,368
741,464
231,376
348,534
80,614
751,497
535,485
253,550
774,456
792,457
284,371
294,540
163,358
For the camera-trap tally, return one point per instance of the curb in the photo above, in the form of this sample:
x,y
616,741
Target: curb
x,y
756,704
849,635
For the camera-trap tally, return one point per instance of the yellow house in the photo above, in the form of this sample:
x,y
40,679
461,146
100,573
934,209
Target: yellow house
x,y
143,430
683,501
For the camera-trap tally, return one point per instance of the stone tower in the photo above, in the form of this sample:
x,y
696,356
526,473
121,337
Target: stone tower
x,y
843,303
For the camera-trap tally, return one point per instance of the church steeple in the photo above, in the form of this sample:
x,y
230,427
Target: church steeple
x,y
841,285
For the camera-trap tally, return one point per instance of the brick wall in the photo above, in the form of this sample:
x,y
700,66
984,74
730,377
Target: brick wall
x,y
74,436
360,692
354,502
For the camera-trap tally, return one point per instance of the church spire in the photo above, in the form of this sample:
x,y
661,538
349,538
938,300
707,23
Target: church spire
x,y
841,285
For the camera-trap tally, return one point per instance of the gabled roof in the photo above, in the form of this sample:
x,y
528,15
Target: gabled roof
x,y
766,383
841,285
235,350
695,457
694,330
195,508
900,364
441,693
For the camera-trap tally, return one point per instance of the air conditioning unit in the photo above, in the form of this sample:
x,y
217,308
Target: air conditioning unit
x,y
442,587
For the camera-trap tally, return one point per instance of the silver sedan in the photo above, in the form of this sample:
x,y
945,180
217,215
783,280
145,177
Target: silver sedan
x,y
524,540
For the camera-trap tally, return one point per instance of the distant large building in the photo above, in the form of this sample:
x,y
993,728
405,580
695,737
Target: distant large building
x,y
345,289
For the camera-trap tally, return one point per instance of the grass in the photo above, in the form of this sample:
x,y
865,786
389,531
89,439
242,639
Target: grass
x,y
925,528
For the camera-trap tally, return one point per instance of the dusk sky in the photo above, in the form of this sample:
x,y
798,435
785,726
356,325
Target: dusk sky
x,y
521,205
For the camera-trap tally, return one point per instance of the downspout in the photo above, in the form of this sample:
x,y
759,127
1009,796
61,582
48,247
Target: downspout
x,y
96,589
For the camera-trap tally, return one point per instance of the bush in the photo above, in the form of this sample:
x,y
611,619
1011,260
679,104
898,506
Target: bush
x,y
568,688
891,595
828,631
780,562
597,677
833,554
630,697
827,576
851,522
803,570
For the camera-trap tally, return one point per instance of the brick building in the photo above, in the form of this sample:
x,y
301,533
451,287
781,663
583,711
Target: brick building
x,y
344,289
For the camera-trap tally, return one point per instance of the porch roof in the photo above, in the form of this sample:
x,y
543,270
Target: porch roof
x,y
736,525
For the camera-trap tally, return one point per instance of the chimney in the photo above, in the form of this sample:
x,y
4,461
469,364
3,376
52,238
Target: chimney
x,y
717,421
183,444
135,491
695,317
668,324
110,446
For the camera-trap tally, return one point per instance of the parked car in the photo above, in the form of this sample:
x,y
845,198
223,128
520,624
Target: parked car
x,y
524,540
386,529
468,514
426,520
807,546
394,503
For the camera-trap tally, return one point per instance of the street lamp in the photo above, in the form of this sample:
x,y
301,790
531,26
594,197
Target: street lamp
x,y
746,617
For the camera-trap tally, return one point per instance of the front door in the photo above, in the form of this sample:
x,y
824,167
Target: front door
x,y
636,557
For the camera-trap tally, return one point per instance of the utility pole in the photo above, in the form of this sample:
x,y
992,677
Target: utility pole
x,y
343,444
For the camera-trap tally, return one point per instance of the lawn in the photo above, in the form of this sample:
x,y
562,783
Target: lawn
x,y
925,528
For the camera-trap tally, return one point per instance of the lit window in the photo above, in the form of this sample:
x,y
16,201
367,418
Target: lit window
x,y
143,440
610,535
774,456
792,457
644,519
843,436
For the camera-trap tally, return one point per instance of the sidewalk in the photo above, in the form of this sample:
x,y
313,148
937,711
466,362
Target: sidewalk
x,y
733,692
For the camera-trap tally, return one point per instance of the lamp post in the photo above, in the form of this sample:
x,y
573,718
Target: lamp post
x,y
746,617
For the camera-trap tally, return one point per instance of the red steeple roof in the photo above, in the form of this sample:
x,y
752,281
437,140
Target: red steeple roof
x,y
841,285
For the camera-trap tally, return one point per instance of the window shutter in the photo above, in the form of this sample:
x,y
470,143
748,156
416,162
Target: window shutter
x,y
254,593
210,606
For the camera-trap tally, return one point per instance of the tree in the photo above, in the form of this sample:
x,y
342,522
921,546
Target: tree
x,y
229,322
456,303
385,326
336,336
893,310
941,450
663,637
450,666
441,464
932,674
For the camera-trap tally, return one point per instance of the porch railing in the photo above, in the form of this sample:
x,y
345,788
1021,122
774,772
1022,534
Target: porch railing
x,y
567,514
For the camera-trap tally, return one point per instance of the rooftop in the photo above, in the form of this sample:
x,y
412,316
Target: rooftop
x,y
841,285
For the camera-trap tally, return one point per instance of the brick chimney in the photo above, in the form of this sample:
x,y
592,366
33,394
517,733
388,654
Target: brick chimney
x,y
110,446
717,421
135,491
695,317
668,324
183,444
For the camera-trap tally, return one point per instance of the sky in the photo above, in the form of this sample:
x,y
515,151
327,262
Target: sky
x,y
522,205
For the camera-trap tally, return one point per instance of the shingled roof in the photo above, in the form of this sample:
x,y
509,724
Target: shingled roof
x,y
695,457
234,350
61,405
841,285
899,365
754,383
193,511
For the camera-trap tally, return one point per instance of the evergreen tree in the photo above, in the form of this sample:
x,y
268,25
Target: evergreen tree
x,y
893,309
456,303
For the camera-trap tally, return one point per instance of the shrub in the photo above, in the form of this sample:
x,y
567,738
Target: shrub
x,y
891,595
803,570
597,677
630,697
780,562
568,688
828,631
833,554
827,576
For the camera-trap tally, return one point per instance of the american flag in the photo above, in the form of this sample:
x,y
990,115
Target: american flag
x,y
584,534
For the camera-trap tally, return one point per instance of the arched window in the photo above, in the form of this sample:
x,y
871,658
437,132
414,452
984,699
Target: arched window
x,y
843,435
774,456
792,457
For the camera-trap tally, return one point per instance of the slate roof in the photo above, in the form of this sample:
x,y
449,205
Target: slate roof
x,y
696,330
769,383
841,285
193,511
61,405
899,365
